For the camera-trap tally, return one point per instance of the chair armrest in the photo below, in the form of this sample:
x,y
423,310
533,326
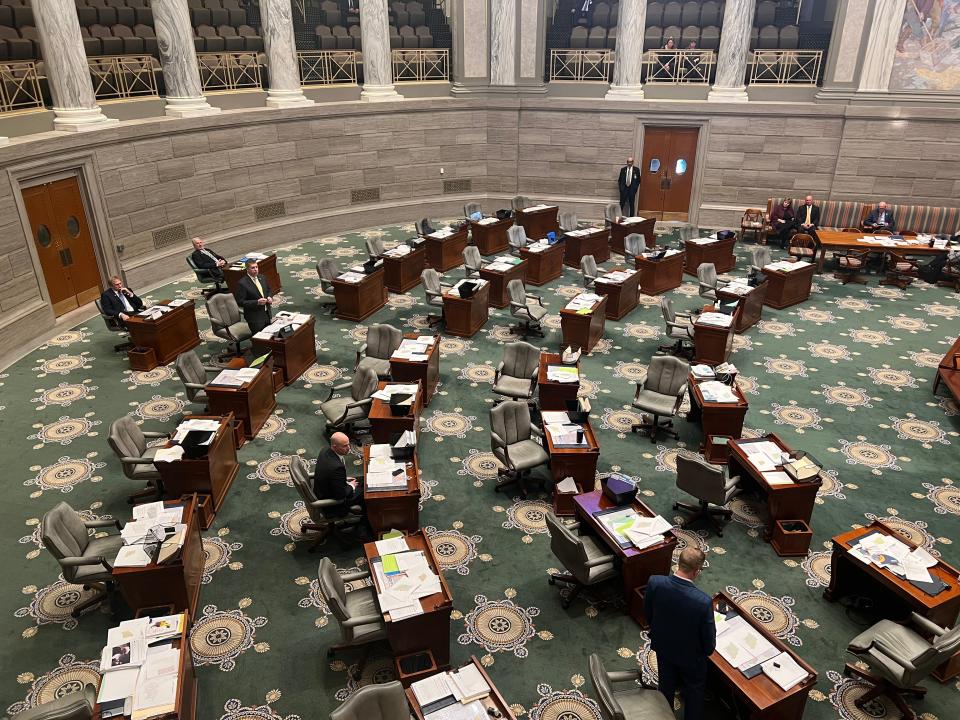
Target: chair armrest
x,y
926,625
688,316
83,561
880,645
360,403
625,675
211,369
497,440
602,560
136,461
102,523
731,483
535,297
355,510
680,394
446,285
153,434
360,353
355,575
535,431
517,306
362,620
194,386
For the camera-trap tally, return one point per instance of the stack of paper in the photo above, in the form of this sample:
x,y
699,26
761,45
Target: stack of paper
x,y
455,290
617,277
563,373
888,552
565,435
507,260
170,454
202,425
702,372
253,256
583,301
715,319
351,277
741,645
403,579
539,246
234,378
384,474
584,231
703,241
498,267
443,232
785,266
738,286
631,220
487,221
784,671
177,303
397,389
764,455
566,486
646,531
398,251
717,392
413,350
535,208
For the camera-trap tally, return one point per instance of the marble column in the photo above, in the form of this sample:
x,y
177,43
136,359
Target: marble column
x,y
732,57
377,62
628,61
882,45
846,43
178,56
74,103
281,49
503,42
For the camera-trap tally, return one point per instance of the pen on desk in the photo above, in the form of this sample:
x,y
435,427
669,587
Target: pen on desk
x,y
776,665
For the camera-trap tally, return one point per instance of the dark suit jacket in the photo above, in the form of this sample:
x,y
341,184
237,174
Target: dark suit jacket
x,y
202,260
247,295
682,630
330,480
111,305
634,183
874,217
814,215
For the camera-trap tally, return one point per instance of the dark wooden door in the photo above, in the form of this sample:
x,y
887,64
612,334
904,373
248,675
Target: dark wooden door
x,y
666,182
62,238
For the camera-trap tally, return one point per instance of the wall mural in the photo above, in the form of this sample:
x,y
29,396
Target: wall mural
x,y
927,57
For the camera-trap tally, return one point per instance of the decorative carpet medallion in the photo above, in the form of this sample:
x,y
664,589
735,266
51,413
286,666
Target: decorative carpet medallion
x,y
291,522
817,317
854,304
621,420
315,599
850,398
480,465
417,322
64,430
357,333
749,512
588,388
817,567
64,394
476,373
946,311
550,322
452,346
748,385
603,346
875,457
829,351
530,516
847,691
568,291
797,417
690,538
450,424
65,474
217,554
69,337
69,676
774,613
379,669
63,364
925,358
276,425
897,379
321,375
634,372
648,301
219,637
911,325
501,334
401,302
641,331
274,471
499,626
785,366
873,338
777,328
667,457
946,498
454,550
886,293
949,406
53,604
741,342
646,659
913,530
159,408
831,486
925,432
563,705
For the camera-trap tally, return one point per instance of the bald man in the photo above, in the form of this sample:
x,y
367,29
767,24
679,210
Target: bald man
x,y
880,219
629,184
205,258
330,481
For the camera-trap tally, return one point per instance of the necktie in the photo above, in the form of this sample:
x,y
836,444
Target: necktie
x,y
629,175
809,209
208,254
259,288
123,300
883,216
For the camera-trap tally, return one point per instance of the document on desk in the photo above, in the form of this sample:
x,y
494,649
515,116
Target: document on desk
x,y
715,319
433,688
763,454
775,477
471,711
784,671
131,556
487,221
170,454
717,392
227,378
631,220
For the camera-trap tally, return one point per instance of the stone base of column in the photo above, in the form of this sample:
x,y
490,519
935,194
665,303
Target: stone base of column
x,y
728,94
184,107
379,93
624,92
80,119
287,98
4,140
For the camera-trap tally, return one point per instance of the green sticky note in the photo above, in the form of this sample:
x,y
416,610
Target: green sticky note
x,y
390,565
392,534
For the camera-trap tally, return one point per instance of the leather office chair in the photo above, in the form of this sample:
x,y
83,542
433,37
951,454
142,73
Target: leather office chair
x,y
661,394
375,353
327,270
206,277
587,560
687,232
472,207
528,309
357,612
384,701
636,701
227,322
899,657
516,238
516,375
433,292
679,327
950,274
472,262
422,226
193,375
84,560
76,705
567,221
588,271
345,412
849,265
760,257
374,247
611,212
707,275
129,444
114,324
899,270
512,443
322,513
711,486
633,245
520,202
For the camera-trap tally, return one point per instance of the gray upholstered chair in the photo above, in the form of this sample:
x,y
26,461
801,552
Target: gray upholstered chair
x,y
472,262
687,232
472,207
516,375
344,412
710,485
633,245
587,560
567,220
899,657
678,326
520,202
588,271
760,257
327,270
636,701
129,444
76,705
84,560
433,292
193,375
206,277
511,439
114,325
707,276
357,612
375,353
528,309
383,701
423,226
611,212
661,394
323,513
516,238
226,320
374,247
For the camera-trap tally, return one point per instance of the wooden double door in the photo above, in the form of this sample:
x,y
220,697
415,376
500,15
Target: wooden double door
x,y
61,236
666,182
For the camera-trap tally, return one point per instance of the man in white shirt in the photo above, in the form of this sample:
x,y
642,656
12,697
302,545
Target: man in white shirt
x,y
206,259
629,184
118,301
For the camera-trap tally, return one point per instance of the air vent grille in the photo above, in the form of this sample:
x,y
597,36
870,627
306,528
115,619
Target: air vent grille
x,y
452,187
169,235
364,195
269,210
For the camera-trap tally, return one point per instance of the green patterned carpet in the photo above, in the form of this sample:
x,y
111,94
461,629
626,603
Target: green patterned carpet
x,y
846,375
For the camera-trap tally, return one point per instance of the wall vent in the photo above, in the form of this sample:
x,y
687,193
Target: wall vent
x,y
452,187
170,236
269,210
364,195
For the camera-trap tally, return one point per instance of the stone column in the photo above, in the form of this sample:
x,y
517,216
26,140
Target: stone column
x,y
377,65
882,45
846,44
471,48
74,103
282,61
628,62
178,56
732,58
503,42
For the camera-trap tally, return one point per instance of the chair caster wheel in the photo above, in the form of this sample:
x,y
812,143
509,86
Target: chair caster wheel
x,y
552,581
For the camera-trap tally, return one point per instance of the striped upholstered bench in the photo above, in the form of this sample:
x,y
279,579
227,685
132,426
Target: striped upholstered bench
x,y
841,214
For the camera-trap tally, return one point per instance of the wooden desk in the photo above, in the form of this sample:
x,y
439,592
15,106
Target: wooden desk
x,y
445,253
636,565
429,630
716,418
177,581
393,509
619,231
788,288
762,697
948,372
659,276
583,331
268,268
463,317
837,241
544,266
711,344
588,241
719,252
493,701
426,372
622,297
537,223
169,335
293,355
578,463
554,395
402,272
492,237
251,403
750,306
499,298
784,502
212,474
384,423
358,301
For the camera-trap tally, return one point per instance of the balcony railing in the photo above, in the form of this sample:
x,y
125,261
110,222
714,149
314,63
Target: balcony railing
x,y
425,65
581,65
328,67
229,70
19,87
679,66
123,76
785,67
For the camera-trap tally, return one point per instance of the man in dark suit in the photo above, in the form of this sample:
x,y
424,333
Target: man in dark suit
x,y
629,184
330,480
682,632
207,259
808,216
118,301
880,219
254,298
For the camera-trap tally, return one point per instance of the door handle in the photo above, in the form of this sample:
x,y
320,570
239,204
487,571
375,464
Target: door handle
x,y
66,258
665,183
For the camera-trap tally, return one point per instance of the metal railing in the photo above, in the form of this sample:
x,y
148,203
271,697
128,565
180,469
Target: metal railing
x,y
229,70
581,65
785,67
328,67
19,86
424,65
679,66
123,76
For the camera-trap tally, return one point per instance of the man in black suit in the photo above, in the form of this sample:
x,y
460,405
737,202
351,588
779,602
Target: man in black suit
x,y
880,219
118,301
254,298
682,632
207,259
809,218
330,480
629,184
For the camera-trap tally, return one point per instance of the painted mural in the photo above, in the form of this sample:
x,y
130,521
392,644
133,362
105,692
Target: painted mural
x,y
928,49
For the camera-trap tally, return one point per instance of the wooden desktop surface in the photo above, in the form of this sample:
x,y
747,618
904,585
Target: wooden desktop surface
x,y
717,418
294,355
544,266
402,273
711,344
749,306
719,252
494,700
594,243
580,463
251,403
393,509
619,231
426,372
659,276
169,335
622,297
383,423
584,330
446,253
358,301
554,395
268,268
499,297
464,317
537,223
785,289
491,238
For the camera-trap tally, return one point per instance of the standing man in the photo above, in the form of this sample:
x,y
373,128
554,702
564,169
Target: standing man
x,y
629,184
330,481
880,219
118,301
253,296
682,632
207,259
809,218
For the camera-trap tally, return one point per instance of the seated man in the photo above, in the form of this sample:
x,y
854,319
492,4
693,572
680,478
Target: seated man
x,y
118,301
808,216
330,480
880,219
207,259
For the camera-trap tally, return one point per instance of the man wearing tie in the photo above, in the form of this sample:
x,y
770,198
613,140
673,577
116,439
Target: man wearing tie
x,y
330,480
207,259
118,301
809,218
880,219
253,296
629,183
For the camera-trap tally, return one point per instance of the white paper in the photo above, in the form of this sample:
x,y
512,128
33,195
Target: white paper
x,y
390,546
131,556
788,674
